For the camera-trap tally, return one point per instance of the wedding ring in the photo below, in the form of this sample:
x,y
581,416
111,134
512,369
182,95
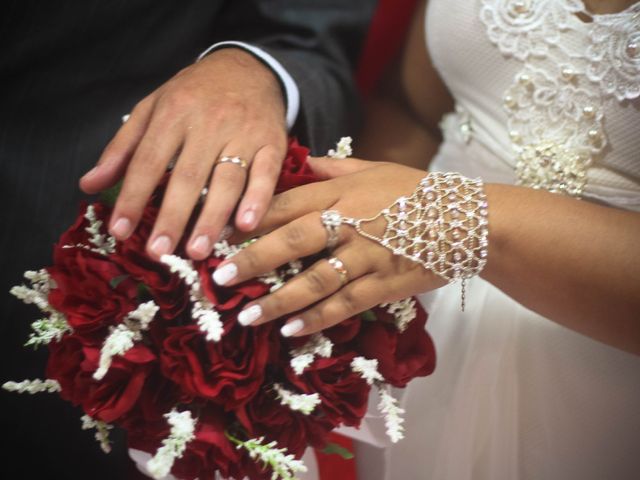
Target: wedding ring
x,y
339,267
235,160
331,219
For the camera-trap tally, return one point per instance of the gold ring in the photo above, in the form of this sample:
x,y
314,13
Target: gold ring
x,y
339,267
235,160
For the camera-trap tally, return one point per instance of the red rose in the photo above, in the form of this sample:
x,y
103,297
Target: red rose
x,y
72,364
228,372
401,356
295,170
210,451
344,331
84,292
265,416
168,291
343,392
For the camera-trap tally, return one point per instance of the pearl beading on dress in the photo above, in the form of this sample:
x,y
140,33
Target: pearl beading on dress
x,y
555,104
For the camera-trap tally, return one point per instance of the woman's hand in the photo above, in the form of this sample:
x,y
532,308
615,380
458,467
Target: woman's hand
x,y
228,104
318,298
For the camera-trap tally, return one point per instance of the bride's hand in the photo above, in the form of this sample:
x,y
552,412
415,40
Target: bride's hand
x,y
320,296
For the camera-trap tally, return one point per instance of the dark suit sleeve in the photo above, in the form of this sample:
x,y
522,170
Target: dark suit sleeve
x,y
318,42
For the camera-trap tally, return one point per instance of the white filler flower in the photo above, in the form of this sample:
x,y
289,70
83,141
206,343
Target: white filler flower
x,y
300,402
122,338
302,357
404,311
33,386
343,149
393,420
203,310
182,432
284,466
368,369
102,431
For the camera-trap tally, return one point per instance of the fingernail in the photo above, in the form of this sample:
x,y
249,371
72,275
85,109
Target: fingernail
x,y
291,328
225,274
201,245
226,232
249,217
121,228
91,172
161,245
249,315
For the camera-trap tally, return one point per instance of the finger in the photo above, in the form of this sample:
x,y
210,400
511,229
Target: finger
x,y
292,204
156,149
227,184
355,297
317,282
116,155
188,177
326,168
300,238
263,178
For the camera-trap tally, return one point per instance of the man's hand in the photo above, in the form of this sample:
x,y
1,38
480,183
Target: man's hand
x,y
228,104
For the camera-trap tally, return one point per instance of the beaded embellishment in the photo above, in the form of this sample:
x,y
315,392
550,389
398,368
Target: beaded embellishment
x,y
555,103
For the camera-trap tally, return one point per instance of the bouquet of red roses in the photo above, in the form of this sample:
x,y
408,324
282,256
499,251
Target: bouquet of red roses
x,y
155,348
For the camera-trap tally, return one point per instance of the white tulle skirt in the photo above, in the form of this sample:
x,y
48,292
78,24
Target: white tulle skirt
x,y
514,396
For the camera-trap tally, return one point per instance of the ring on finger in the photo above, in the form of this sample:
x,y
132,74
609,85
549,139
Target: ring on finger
x,y
234,160
331,220
339,267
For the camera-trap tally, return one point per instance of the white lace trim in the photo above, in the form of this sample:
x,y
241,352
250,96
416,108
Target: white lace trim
x,y
555,103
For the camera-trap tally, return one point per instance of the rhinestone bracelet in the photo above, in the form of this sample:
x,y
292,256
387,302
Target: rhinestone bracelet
x,y
443,226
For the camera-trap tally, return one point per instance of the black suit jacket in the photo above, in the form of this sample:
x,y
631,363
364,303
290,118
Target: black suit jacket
x,y
69,70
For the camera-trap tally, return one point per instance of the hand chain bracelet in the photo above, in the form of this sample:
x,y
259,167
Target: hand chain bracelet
x,y
443,226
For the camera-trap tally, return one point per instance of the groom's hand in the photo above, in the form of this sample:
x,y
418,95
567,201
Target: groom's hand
x,y
228,104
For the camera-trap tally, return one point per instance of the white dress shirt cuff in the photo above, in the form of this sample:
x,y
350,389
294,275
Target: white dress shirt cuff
x,y
292,94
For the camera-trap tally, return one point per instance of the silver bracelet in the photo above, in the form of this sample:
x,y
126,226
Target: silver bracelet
x,y
443,226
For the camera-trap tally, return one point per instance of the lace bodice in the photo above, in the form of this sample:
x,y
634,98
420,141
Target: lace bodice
x,y
550,89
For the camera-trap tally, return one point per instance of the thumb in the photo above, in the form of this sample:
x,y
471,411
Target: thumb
x,y
326,167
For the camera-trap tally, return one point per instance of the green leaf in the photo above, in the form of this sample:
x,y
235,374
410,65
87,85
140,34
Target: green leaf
x,y
368,316
110,195
335,449
143,291
114,282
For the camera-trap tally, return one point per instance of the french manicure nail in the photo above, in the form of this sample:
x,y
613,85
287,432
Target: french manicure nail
x,y
121,228
249,217
249,315
161,245
201,245
225,274
291,328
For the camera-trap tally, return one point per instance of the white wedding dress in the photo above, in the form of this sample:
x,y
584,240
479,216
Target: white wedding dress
x,y
514,395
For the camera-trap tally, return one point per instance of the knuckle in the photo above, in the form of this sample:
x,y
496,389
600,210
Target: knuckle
x,y
174,101
295,236
274,305
315,281
349,302
189,173
314,319
280,203
251,260
142,105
